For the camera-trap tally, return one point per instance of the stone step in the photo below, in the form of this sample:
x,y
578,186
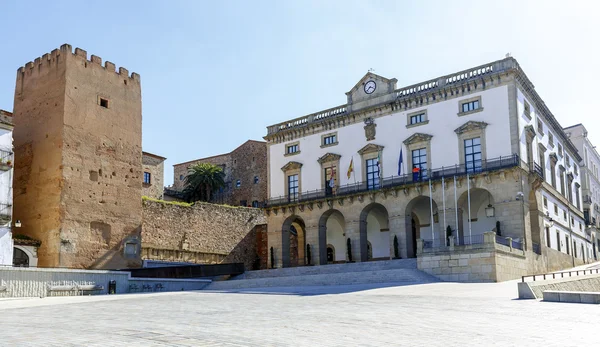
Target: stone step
x,y
404,276
331,269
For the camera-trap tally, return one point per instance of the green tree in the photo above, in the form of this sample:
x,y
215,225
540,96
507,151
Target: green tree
x,y
202,180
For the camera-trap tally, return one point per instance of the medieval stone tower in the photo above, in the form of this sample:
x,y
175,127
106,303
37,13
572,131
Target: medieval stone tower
x,y
78,160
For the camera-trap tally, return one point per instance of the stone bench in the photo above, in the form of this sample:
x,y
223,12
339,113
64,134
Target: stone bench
x,y
572,297
89,288
61,288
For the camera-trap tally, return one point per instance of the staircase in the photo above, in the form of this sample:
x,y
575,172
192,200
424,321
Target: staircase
x,y
401,271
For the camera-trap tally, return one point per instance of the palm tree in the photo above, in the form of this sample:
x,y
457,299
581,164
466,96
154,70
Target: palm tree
x,y
202,180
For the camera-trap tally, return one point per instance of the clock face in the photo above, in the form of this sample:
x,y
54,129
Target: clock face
x,y
370,87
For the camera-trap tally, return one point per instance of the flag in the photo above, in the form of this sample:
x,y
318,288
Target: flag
x,y
379,164
331,180
400,163
351,168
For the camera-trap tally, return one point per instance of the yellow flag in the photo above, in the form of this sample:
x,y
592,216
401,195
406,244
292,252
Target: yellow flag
x,y
351,168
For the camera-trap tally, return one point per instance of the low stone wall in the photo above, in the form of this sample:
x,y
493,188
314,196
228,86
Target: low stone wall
x,y
535,289
558,260
33,282
204,234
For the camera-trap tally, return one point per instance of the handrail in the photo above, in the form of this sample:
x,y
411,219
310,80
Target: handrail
x,y
396,181
562,273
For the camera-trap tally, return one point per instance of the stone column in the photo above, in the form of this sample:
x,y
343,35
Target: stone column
x,y
354,233
398,229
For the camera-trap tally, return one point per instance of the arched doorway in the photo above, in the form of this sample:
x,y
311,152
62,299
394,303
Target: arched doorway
x,y
481,199
332,231
20,258
418,214
330,254
374,233
293,242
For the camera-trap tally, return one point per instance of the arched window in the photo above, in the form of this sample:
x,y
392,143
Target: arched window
x,y
20,258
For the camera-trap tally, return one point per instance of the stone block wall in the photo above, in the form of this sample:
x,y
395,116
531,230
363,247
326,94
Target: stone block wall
x,y
204,233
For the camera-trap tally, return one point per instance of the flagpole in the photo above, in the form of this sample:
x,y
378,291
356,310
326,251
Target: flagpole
x,y
431,212
469,202
444,205
456,210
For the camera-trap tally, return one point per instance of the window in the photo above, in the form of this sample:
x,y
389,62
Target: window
x,y
255,179
238,183
372,166
562,181
556,209
550,139
470,106
580,228
548,237
131,248
255,203
181,177
545,202
473,155
565,215
560,149
146,177
575,248
572,221
419,160
292,149
527,108
330,140
558,240
575,169
329,179
243,202
553,173
293,187
567,244
577,196
418,118
104,102
540,127
568,161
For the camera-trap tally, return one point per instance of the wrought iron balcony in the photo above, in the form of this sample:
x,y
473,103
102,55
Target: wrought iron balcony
x,y
489,165
5,213
537,169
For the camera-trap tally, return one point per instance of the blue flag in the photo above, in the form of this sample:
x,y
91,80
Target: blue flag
x,y
400,163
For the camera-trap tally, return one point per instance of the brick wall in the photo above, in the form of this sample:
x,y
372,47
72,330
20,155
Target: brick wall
x,y
204,233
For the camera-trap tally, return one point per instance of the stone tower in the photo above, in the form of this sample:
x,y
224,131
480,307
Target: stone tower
x,y
78,160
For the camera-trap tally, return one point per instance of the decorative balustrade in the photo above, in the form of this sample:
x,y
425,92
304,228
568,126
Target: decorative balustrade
x,y
423,87
395,181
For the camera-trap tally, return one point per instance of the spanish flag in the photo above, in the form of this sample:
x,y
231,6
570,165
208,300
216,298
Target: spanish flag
x,y
351,168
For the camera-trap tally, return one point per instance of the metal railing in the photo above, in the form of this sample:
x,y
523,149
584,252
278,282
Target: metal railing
x,y
537,169
502,241
398,181
470,240
517,245
6,160
561,274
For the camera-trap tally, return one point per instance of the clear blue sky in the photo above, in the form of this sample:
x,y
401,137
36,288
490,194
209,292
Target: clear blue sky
x,y
216,73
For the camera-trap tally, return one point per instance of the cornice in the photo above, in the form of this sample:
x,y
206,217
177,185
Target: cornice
x,y
329,157
370,148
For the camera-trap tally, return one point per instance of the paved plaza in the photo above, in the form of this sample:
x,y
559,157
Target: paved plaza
x,y
437,314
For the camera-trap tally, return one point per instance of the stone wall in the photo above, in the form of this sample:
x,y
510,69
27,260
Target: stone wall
x,y
245,163
204,233
154,165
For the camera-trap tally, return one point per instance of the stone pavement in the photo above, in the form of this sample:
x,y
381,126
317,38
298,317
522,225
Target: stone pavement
x,y
435,314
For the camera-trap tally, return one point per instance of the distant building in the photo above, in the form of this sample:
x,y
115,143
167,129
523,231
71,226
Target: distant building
x,y
6,179
152,175
590,183
245,171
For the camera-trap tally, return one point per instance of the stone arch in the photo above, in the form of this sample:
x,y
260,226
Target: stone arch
x,y
418,222
374,227
332,230
21,257
293,242
481,199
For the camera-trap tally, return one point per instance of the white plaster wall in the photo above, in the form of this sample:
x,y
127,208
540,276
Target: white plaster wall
x,y
335,237
391,131
6,247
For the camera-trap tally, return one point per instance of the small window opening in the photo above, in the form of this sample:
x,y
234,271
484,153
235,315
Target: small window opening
x,y
104,103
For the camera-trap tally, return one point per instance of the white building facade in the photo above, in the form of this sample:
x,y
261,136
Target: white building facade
x,y
6,178
444,161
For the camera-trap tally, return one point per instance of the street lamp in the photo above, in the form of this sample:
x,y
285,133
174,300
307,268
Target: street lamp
x,y
18,223
490,211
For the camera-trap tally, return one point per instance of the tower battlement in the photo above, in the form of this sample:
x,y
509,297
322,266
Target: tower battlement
x,y
47,61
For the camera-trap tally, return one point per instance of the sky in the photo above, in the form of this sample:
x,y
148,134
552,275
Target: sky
x,y
217,73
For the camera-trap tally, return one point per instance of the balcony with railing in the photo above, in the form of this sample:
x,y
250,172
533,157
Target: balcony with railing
x,y
390,182
537,169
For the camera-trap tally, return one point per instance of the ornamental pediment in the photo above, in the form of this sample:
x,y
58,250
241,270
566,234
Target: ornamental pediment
x,y
470,126
370,148
417,137
329,157
530,131
371,85
292,165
